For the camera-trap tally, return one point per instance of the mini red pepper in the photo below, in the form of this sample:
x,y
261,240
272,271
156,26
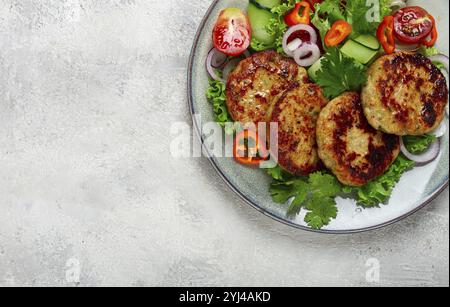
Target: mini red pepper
x,y
434,35
247,146
299,15
386,34
338,33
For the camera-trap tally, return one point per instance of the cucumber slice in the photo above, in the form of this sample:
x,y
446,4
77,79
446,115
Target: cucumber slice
x,y
266,4
259,19
312,71
369,41
358,52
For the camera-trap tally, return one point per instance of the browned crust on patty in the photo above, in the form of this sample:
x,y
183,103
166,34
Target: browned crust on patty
x,y
257,83
352,149
405,95
296,113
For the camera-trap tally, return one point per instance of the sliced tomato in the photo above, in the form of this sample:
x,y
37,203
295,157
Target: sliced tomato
x,y
232,32
412,24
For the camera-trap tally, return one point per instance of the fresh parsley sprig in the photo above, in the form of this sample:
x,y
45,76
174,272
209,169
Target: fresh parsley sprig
x,y
340,74
316,194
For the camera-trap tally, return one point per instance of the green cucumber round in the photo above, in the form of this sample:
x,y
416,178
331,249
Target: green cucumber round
x,y
259,19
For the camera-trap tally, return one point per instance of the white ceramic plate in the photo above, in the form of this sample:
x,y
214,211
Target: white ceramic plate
x,y
416,189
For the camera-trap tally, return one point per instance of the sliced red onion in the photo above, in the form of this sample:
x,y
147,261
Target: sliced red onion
x,y
304,50
230,66
440,131
312,33
441,58
209,65
294,45
427,157
218,59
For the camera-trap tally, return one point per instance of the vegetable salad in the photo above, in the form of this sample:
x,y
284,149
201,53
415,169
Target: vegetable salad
x,y
336,41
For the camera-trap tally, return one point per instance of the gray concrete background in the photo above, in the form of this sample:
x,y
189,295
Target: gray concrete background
x,y
88,91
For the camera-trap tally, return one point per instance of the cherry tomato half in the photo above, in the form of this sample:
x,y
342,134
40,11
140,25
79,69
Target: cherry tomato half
x,y
232,32
412,24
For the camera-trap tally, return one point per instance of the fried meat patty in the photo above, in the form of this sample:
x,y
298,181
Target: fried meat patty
x,y
257,83
296,113
406,94
351,148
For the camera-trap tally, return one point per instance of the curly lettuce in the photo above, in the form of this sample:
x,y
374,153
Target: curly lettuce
x,y
355,12
317,193
216,96
418,144
358,11
379,191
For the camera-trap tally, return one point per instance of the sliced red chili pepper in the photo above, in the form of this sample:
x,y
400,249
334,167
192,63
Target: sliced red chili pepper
x,y
386,34
301,14
249,149
434,35
338,33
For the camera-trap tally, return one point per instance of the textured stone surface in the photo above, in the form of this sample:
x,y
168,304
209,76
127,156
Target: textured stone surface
x,y
88,90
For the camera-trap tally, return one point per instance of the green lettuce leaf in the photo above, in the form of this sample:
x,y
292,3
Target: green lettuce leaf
x,y
357,11
428,51
380,190
216,96
418,144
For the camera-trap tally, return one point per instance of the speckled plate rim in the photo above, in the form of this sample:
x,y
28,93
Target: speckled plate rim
x,y
212,160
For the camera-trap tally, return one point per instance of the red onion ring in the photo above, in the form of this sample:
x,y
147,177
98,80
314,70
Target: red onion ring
x,y
294,45
303,51
427,157
218,59
209,65
312,33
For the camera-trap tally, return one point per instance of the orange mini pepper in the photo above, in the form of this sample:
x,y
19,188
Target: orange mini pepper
x,y
338,33
249,149
299,15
